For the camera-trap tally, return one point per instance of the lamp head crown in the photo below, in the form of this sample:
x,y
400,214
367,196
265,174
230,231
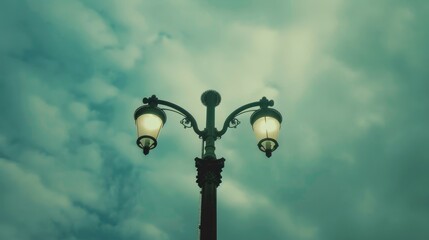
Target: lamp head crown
x,y
210,96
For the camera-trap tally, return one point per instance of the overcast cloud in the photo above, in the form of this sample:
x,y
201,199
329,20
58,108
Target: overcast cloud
x,y
349,77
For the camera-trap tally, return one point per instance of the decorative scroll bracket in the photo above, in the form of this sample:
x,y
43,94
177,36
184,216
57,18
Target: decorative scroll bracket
x,y
234,123
186,123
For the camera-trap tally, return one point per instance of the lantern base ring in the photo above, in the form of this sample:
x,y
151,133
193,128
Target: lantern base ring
x,y
145,147
270,150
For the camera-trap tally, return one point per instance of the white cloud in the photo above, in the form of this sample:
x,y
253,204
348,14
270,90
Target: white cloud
x,y
44,124
79,110
98,90
74,20
123,58
28,205
143,230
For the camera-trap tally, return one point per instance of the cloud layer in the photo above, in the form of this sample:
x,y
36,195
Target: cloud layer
x,y
349,77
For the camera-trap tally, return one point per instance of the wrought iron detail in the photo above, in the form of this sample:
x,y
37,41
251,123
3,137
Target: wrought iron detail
x,y
234,123
209,171
186,122
151,101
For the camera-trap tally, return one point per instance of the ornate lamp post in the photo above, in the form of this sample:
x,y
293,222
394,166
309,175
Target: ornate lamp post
x,y
265,121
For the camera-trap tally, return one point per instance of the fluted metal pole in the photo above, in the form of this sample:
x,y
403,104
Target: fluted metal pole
x,y
208,180
209,169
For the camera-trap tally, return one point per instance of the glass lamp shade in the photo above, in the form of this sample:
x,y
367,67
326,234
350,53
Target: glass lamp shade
x,y
149,121
266,125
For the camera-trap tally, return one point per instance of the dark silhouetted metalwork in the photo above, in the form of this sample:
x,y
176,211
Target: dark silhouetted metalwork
x,y
209,167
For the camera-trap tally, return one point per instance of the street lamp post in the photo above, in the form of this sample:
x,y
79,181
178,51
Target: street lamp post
x,y
265,122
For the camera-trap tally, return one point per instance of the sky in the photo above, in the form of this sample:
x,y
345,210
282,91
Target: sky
x,y
349,77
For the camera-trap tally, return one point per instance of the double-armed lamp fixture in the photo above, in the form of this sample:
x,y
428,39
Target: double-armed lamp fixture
x,y
265,121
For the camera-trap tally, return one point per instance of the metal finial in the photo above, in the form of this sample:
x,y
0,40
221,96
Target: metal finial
x,y
210,95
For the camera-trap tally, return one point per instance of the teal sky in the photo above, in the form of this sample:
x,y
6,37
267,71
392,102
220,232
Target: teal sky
x,y
349,77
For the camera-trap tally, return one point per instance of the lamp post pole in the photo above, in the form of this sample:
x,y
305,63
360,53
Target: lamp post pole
x,y
208,179
266,121
209,169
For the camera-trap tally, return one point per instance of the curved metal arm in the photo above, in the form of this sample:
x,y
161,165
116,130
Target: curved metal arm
x,y
154,101
263,103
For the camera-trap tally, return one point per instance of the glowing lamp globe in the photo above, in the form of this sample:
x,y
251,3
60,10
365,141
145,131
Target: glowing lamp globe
x,y
266,125
149,121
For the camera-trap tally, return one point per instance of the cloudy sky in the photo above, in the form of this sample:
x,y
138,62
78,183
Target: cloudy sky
x,y
349,77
